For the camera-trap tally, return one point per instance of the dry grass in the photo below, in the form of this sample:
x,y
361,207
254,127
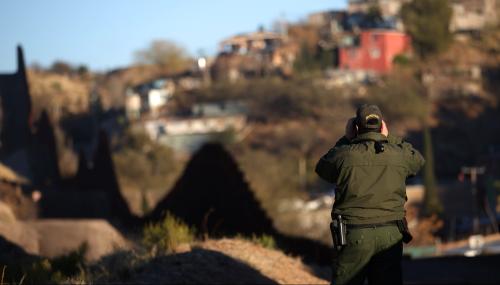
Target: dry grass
x,y
225,261
57,93
271,263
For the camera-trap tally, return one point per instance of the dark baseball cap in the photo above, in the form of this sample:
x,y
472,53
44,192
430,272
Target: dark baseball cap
x,y
369,117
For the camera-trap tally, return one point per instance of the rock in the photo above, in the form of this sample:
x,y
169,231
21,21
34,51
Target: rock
x,y
57,237
6,213
21,235
51,238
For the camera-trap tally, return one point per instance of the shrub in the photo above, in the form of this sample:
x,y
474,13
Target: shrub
x,y
166,235
264,240
69,268
402,60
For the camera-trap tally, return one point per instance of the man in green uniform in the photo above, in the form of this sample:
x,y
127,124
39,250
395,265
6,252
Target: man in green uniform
x,y
369,168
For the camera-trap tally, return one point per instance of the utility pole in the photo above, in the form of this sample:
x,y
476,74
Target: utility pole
x,y
480,200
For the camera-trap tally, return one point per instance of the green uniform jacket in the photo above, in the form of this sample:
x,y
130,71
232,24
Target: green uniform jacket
x,y
370,186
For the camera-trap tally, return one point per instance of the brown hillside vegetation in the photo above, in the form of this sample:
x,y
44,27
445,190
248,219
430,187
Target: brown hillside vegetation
x,y
230,261
57,93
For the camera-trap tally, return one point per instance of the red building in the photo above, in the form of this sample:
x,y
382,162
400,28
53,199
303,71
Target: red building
x,y
375,51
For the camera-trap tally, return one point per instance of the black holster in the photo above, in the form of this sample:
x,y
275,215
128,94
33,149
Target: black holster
x,y
403,229
338,230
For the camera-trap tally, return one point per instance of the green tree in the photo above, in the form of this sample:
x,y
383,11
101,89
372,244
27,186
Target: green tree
x,y
432,204
427,22
306,60
326,58
83,70
165,54
61,67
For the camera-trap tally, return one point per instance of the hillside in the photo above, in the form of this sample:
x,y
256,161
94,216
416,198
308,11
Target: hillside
x,y
58,94
225,261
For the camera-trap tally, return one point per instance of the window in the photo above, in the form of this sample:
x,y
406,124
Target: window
x,y
375,53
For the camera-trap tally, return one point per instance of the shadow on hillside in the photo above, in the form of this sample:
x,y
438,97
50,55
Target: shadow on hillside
x,y
93,192
213,196
10,252
13,260
466,134
199,266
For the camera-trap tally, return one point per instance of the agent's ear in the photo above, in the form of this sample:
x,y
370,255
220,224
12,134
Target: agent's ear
x,y
383,129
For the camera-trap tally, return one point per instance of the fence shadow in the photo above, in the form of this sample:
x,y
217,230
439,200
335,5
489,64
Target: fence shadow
x,y
213,196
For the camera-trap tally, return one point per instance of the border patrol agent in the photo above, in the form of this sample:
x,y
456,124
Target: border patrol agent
x,y
369,168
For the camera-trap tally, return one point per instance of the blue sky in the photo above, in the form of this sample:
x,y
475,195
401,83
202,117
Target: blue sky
x,y
104,34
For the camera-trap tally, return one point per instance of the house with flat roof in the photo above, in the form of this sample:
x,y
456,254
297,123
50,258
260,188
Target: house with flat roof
x,y
151,97
215,121
472,15
468,15
254,54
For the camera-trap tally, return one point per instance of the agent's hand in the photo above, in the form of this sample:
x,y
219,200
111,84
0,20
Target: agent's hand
x,y
351,130
384,131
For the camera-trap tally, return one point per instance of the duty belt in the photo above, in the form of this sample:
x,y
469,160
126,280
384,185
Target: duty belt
x,y
401,224
377,225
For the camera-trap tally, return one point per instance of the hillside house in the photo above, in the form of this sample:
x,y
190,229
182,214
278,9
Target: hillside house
x,y
193,125
374,51
254,54
472,15
337,22
388,8
336,28
257,42
468,15
208,122
335,19
149,97
219,109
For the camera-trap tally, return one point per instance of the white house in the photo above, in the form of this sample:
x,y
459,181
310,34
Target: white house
x,y
149,98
